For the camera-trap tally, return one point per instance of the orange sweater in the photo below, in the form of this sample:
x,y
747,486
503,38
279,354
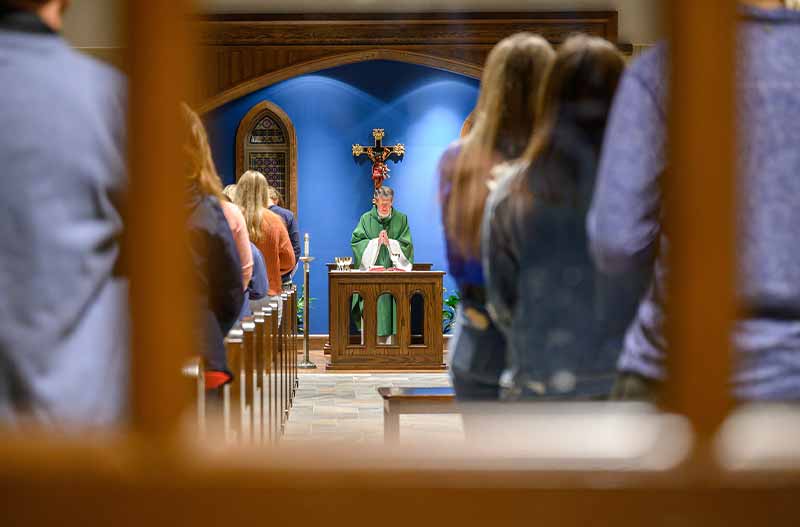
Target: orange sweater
x,y
277,250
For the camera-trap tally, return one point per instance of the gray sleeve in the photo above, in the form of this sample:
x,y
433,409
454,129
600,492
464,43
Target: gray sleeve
x,y
624,220
499,259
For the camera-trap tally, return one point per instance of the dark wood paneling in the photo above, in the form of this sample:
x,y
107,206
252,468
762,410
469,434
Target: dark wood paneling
x,y
243,53
371,354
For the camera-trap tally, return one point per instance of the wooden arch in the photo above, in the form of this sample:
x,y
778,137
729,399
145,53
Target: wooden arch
x,y
246,125
311,66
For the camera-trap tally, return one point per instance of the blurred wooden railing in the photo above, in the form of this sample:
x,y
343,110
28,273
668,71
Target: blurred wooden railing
x,y
731,471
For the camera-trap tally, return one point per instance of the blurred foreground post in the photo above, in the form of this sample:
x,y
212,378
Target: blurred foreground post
x,y
699,193
156,240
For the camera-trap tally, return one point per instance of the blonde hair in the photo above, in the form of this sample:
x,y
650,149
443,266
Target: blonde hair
x,y
275,196
251,196
200,167
230,192
504,120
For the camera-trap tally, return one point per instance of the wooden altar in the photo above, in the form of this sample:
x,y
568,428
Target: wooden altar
x,y
419,349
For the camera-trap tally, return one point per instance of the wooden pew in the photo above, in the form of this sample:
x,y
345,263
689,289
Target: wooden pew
x,y
293,339
233,394
262,355
417,400
248,328
194,369
286,354
259,416
268,378
277,393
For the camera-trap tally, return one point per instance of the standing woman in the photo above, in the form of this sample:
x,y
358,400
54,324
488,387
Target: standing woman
x,y
563,321
215,259
505,117
267,230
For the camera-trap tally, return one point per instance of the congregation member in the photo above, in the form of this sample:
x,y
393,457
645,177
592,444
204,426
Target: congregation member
x,y
63,302
563,321
256,294
274,201
625,220
238,227
251,283
213,250
505,118
266,229
381,239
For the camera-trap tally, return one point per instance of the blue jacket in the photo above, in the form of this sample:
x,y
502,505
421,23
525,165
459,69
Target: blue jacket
x,y
258,283
63,314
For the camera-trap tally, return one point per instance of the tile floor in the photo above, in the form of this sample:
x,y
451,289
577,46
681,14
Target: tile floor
x,y
346,407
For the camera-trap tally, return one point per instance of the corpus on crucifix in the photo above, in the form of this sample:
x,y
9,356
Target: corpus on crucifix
x,y
379,154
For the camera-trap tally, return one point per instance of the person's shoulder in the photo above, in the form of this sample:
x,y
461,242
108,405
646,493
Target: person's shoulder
x,y
271,219
651,67
447,161
232,208
503,177
97,68
286,213
499,203
233,212
213,204
86,74
402,216
207,214
451,152
258,258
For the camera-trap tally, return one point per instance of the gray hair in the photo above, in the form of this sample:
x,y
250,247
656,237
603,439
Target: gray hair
x,y
384,192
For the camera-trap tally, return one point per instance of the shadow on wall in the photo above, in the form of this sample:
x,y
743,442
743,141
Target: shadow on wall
x,y
419,106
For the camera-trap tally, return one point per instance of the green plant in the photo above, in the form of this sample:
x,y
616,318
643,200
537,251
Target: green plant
x,y
301,311
449,312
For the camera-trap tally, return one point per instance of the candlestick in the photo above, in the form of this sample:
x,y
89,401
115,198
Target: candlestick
x,y
306,363
305,239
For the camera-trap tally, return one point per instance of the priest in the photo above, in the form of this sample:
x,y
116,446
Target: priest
x,y
382,239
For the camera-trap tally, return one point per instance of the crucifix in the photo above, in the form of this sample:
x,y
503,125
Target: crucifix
x,y
378,154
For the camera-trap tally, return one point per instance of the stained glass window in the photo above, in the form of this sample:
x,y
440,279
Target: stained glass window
x,y
273,166
267,132
267,149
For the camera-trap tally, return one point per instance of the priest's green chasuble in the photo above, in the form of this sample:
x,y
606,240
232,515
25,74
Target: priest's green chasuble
x,y
368,253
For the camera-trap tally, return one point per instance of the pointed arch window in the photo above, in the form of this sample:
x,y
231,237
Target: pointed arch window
x,y
266,142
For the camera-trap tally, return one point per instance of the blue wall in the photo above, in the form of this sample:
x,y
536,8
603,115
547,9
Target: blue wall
x,y
421,107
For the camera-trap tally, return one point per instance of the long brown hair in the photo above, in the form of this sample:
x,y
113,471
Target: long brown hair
x,y
583,79
200,167
504,118
251,196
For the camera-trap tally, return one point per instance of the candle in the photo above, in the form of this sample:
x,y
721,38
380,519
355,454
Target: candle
x,y
306,244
